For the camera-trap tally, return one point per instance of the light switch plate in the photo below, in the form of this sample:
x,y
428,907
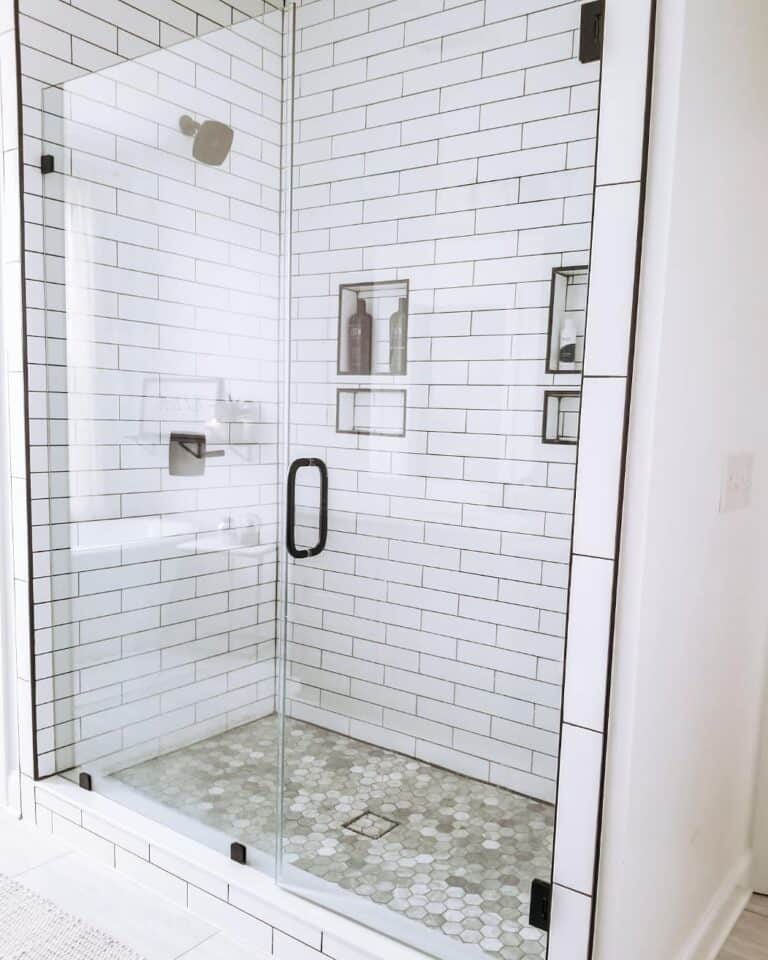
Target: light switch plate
x,y
736,487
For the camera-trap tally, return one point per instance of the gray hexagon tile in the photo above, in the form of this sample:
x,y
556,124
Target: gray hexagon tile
x,y
460,859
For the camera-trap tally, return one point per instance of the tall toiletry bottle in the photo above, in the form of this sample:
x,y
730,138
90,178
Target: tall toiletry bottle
x,y
359,340
567,352
398,325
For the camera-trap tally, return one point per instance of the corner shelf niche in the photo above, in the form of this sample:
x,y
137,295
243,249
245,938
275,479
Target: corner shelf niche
x,y
567,319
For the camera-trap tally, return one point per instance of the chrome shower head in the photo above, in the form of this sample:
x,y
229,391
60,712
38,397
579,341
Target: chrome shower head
x,y
212,139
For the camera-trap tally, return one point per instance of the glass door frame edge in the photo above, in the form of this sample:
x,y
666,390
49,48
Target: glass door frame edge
x,y
284,410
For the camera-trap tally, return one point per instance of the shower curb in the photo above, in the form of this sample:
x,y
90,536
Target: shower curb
x,y
242,902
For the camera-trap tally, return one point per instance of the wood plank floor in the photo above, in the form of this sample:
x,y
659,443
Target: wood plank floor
x,y
749,939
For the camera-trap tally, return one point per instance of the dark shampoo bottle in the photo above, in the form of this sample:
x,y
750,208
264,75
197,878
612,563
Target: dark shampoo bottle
x,y
359,340
398,326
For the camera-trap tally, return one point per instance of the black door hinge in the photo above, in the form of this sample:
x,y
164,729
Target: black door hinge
x,y
85,781
541,902
591,35
47,163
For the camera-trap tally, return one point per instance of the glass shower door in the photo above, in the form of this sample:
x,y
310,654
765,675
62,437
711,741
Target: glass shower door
x,y
410,800
442,194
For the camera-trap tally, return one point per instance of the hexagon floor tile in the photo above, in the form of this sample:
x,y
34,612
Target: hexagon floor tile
x,y
460,860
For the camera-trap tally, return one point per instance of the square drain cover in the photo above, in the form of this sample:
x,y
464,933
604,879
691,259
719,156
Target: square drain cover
x,y
371,825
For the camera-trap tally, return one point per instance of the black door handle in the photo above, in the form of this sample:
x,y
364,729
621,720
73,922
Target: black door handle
x,y
291,518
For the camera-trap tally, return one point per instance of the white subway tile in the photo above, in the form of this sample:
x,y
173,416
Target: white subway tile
x,y
569,932
622,98
485,39
401,10
367,92
601,440
576,834
588,641
445,23
440,75
463,763
612,280
240,926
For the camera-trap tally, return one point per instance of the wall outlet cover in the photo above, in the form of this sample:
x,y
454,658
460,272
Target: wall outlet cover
x,y
736,486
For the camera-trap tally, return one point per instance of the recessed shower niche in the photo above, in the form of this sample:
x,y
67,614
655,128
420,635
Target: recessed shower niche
x,y
373,329
371,412
567,319
560,422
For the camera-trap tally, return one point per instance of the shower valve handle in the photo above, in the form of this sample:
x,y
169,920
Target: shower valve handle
x,y
195,444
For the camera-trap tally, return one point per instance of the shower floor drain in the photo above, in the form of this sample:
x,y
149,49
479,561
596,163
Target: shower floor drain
x,y
371,825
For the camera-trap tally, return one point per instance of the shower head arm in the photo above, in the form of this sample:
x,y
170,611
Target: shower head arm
x,y
188,126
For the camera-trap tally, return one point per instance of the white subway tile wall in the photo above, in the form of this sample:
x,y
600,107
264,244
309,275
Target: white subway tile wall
x,y
452,145
152,286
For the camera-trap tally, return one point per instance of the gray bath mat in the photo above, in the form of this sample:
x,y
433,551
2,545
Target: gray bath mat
x,y
32,928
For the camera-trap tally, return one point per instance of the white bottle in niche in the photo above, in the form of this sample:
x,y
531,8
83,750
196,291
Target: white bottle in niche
x,y
567,353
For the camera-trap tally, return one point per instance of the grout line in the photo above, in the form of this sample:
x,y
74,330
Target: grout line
x,y
186,953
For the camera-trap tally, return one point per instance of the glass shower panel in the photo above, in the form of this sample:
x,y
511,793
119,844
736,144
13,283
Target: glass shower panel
x,y
161,220
442,201
387,447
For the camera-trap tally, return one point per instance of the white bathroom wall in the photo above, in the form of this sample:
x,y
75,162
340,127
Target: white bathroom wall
x,y
152,284
452,145
691,634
